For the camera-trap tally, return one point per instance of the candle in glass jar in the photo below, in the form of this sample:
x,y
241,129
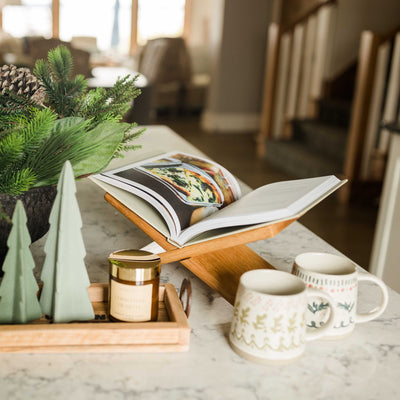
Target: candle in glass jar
x,y
134,283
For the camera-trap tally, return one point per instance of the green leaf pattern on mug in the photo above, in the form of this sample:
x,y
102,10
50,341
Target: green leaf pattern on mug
x,y
342,288
346,306
341,320
344,325
314,307
313,324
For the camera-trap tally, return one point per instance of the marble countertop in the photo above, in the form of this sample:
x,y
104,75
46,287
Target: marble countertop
x,y
364,365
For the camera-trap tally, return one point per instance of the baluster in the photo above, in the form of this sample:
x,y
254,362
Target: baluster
x,y
281,85
271,70
303,110
374,113
392,97
294,77
322,46
362,95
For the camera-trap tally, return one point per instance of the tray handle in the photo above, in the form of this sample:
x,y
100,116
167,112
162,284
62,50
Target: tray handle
x,y
186,291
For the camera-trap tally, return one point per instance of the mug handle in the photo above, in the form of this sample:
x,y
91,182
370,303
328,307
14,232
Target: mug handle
x,y
376,312
328,326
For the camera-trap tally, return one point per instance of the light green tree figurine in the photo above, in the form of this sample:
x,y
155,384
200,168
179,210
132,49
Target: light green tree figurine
x,y
64,296
18,291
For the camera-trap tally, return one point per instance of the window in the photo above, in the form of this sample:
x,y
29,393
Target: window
x,y
31,18
160,18
113,23
109,21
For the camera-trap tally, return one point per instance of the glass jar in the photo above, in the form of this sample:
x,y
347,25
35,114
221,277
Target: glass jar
x,y
134,283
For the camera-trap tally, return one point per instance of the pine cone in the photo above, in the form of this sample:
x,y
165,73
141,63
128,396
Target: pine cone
x,y
39,96
18,80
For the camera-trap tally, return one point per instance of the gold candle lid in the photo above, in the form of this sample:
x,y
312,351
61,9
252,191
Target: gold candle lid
x,y
134,265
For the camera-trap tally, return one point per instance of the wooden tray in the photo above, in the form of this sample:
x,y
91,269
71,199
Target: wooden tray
x,y
170,333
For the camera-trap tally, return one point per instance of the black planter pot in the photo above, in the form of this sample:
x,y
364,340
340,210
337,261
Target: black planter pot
x,y
37,203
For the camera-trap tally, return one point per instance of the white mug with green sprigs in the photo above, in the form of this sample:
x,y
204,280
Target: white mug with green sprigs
x,y
339,277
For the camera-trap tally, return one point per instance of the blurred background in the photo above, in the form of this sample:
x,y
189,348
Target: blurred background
x,y
272,89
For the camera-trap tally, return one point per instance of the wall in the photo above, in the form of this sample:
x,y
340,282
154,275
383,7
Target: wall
x,y
199,38
354,16
237,39
292,10
238,34
200,22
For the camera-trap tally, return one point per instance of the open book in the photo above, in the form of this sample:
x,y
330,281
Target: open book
x,y
189,198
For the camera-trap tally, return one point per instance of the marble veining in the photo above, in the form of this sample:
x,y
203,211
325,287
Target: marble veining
x,y
364,365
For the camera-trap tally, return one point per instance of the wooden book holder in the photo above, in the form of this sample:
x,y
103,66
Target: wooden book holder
x,y
219,262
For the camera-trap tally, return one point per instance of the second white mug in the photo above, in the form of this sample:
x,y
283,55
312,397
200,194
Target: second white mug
x,y
337,276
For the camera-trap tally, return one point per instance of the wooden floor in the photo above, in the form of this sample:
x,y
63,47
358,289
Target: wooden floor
x,y
349,229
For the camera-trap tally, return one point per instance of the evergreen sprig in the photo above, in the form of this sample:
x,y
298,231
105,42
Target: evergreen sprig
x,y
109,104
33,154
71,123
63,92
16,146
129,135
15,182
70,97
13,106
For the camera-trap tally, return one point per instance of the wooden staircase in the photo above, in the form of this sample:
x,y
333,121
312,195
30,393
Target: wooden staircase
x,y
303,131
317,145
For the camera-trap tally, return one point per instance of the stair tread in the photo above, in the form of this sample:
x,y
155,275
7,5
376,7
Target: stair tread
x,y
322,126
324,138
299,160
304,150
343,104
335,111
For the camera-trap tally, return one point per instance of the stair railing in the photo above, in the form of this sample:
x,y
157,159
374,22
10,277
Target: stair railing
x,y
376,101
296,62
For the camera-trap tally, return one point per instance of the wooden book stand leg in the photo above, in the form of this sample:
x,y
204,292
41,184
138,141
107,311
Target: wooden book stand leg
x,y
221,269
219,262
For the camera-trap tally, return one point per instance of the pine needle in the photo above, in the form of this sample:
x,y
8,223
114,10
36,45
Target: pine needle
x,y
16,182
60,63
73,124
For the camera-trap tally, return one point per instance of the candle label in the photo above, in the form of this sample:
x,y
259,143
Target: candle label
x,y
130,303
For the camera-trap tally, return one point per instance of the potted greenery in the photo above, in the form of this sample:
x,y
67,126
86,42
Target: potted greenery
x,y
46,118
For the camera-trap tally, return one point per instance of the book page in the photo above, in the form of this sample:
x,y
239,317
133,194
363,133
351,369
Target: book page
x,y
276,201
189,187
141,207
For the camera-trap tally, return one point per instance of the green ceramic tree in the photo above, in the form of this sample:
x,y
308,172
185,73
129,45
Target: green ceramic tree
x,y
18,291
64,295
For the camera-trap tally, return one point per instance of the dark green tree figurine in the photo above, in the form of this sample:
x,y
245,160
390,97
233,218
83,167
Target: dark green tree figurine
x,y
64,296
18,290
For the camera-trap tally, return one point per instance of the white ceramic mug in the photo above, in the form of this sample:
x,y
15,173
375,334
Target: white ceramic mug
x,y
269,317
339,277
